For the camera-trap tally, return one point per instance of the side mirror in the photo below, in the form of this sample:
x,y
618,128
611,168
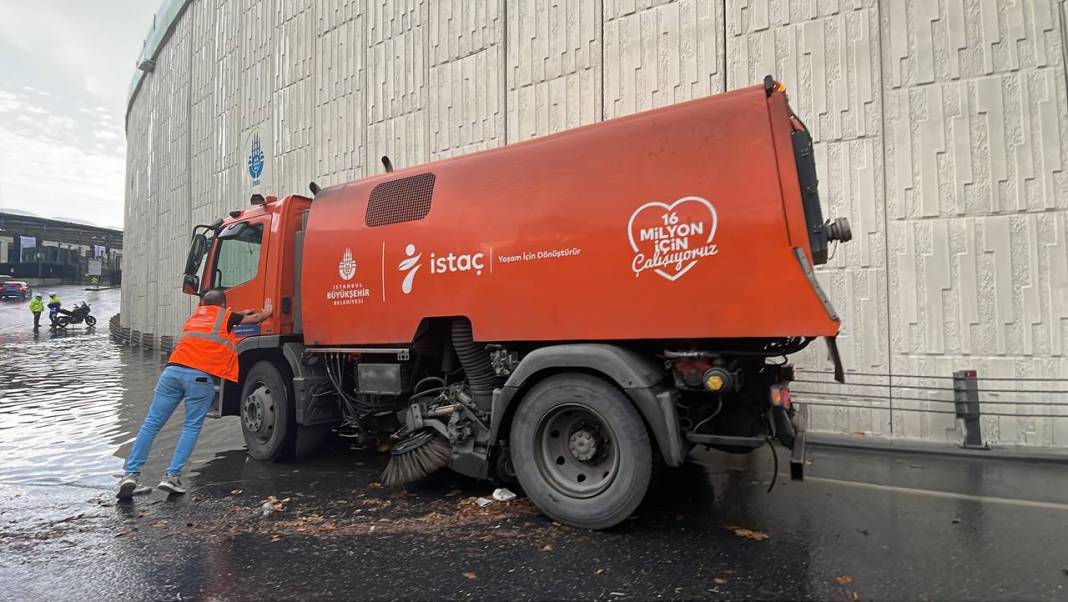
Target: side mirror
x,y
191,284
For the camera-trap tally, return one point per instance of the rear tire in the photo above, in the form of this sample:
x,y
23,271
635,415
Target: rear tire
x,y
581,451
62,322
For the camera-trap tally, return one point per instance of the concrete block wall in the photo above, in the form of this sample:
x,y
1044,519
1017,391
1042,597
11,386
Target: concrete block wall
x,y
941,131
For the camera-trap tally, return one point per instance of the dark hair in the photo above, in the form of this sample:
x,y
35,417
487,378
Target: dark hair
x,y
215,296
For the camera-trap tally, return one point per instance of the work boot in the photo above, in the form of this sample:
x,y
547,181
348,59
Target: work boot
x,y
172,484
127,486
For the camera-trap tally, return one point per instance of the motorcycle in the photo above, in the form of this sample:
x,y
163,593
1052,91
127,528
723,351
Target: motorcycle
x,y
79,314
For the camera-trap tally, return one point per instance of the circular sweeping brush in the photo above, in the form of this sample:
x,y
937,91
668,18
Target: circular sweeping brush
x,y
424,452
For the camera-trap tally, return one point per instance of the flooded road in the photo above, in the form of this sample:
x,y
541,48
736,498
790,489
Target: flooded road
x,y
864,526
71,401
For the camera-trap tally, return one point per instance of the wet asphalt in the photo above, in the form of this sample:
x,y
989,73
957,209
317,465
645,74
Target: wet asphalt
x,y
864,526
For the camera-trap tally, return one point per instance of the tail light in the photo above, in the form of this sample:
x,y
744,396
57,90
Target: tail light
x,y
780,396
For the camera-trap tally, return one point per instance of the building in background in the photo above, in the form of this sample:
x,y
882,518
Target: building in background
x,y
47,251
942,132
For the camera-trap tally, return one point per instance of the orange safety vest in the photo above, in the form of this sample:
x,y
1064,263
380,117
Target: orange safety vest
x,y
205,345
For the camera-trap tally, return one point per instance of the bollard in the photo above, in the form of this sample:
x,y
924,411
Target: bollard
x,y
966,398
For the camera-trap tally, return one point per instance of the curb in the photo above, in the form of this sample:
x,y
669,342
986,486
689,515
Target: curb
x,y
1046,456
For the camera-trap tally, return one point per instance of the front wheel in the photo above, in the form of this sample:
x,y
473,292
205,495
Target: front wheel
x,y
581,451
267,419
90,321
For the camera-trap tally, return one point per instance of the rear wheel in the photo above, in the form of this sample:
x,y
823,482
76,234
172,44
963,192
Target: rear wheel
x,y
581,451
62,322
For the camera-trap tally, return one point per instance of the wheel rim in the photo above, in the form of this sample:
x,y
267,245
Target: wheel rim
x,y
257,413
577,452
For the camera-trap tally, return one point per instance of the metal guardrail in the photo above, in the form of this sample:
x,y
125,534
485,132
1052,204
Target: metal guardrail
x,y
965,397
144,340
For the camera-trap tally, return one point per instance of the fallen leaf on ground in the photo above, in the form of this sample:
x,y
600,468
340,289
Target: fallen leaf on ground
x,y
598,572
470,575
751,534
374,485
548,548
275,538
843,580
235,492
719,580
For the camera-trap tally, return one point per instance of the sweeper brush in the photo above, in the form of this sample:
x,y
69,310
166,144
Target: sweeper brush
x,y
416,457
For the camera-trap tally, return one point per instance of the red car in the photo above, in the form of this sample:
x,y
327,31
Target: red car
x,y
14,288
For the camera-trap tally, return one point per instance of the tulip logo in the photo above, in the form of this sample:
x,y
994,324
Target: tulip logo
x,y
347,268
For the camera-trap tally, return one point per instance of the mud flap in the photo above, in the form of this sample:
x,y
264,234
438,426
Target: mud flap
x,y
216,405
797,458
832,350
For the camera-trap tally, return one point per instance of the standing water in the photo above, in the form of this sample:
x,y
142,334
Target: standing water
x,y
71,401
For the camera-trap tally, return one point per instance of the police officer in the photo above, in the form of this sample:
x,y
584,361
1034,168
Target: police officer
x,y
36,307
207,349
53,308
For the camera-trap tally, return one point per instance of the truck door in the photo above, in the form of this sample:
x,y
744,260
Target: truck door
x,y
238,266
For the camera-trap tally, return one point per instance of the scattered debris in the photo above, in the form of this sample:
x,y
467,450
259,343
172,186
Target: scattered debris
x,y
617,594
750,534
470,575
272,505
719,580
598,571
503,495
549,548
956,521
375,485
863,532
482,502
235,492
843,580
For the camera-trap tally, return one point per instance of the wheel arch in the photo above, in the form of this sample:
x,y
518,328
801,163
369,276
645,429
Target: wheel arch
x,y
641,379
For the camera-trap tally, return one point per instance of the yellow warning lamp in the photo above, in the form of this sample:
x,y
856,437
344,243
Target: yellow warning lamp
x,y
717,380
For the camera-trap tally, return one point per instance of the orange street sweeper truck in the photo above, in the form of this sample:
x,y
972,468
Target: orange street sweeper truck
x,y
567,312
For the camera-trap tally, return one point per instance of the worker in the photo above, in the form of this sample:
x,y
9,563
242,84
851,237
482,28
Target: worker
x,y
206,350
36,307
53,308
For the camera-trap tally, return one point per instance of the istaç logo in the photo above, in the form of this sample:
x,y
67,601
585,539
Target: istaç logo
x,y
670,239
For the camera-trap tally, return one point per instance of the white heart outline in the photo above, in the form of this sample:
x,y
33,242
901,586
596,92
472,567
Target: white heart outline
x,y
711,232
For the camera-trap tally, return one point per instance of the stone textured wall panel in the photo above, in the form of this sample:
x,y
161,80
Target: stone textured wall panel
x,y
658,53
553,66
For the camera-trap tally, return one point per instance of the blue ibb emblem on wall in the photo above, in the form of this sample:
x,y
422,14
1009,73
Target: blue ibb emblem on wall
x,y
255,159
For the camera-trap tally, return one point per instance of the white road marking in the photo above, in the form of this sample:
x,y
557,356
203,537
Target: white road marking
x,y
944,494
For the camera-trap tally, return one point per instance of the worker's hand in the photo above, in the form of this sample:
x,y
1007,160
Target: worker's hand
x,y
267,307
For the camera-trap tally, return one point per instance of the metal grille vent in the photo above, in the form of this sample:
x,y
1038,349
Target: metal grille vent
x,y
402,200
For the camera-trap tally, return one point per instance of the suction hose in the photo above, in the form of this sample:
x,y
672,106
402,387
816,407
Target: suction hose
x,y
475,361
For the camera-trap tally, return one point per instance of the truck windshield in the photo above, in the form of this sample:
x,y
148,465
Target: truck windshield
x,y
238,257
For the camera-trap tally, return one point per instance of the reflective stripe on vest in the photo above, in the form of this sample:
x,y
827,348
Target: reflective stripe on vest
x,y
218,326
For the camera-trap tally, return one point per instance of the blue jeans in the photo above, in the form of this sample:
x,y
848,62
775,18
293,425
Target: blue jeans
x,y
175,384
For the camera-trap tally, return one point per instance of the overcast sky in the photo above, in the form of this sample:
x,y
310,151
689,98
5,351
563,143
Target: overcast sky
x,y
65,70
